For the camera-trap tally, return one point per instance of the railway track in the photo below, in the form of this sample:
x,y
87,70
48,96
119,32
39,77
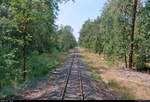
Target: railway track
x,y
72,81
73,85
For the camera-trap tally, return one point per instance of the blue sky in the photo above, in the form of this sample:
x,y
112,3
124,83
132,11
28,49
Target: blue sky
x,y
75,14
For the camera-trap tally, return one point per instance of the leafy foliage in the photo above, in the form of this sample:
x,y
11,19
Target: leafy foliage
x,y
27,32
110,33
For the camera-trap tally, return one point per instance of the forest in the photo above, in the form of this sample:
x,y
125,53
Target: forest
x,y
30,41
121,33
33,46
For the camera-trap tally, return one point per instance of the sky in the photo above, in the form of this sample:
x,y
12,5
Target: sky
x,y
76,13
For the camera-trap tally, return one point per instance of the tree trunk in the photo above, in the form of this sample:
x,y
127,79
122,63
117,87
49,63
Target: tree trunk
x,y
125,58
132,35
25,32
24,58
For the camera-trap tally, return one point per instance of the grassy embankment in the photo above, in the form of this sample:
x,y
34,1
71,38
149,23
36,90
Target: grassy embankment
x,y
109,73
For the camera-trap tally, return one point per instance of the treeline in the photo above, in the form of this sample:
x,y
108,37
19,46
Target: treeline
x,y
112,33
28,30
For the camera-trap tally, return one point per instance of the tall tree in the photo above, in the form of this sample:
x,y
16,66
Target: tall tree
x,y
113,32
132,34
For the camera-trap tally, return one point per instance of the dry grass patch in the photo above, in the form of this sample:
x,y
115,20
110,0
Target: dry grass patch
x,y
137,83
131,85
124,92
93,60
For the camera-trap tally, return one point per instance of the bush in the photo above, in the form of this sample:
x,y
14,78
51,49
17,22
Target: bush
x,y
140,65
39,65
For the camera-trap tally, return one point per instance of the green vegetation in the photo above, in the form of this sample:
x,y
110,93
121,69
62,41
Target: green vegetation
x,y
40,65
30,42
111,33
96,76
